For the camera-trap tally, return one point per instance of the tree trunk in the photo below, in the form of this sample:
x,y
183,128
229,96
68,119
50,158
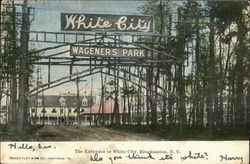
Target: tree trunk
x,y
211,81
182,116
240,69
23,77
147,104
219,121
170,97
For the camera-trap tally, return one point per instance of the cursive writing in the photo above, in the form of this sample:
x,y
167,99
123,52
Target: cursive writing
x,y
167,157
27,146
87,22
114,158
230,158
95,157
142,25
21,146
195,156
137,156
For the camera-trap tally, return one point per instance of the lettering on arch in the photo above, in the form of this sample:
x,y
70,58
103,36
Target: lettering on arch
x,y
91,22
90,51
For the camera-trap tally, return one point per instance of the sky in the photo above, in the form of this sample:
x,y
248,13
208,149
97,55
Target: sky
x,y
47,18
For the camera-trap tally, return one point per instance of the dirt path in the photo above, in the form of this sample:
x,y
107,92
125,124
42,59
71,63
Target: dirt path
x,y
73,133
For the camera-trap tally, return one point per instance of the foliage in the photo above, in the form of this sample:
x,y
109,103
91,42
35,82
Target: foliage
x,y
213,36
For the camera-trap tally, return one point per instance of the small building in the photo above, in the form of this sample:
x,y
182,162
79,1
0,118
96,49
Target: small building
x,y
102,113
57,109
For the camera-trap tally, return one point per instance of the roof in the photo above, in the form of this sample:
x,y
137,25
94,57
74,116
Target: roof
x,y
98,108
54,100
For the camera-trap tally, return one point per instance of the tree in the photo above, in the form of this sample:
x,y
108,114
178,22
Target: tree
x,y
233,14
9,65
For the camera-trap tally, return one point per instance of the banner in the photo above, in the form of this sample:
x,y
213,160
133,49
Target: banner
x,y
90,51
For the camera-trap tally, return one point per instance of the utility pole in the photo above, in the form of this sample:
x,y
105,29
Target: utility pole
x,y
23,76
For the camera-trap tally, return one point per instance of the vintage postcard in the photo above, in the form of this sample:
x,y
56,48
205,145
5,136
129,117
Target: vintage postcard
x,y
124,82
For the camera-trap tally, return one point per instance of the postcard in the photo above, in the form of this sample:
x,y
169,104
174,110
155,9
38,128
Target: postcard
x,y
123,82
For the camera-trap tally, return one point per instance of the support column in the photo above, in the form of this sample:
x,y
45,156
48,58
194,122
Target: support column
x,y
39,120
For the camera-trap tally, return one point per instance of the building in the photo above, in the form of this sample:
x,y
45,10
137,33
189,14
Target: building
x,y
57,109
102,112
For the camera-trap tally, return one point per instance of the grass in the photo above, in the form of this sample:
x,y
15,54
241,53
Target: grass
x,y
9,133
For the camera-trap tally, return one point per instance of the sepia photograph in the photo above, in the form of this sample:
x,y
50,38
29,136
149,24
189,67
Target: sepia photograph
x,y
103,76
